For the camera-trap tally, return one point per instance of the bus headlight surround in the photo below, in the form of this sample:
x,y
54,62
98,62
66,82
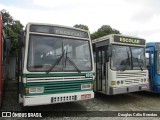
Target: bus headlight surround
x,y
36,90
86,86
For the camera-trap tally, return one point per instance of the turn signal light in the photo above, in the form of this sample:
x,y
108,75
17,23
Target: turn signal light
x,y
113,82
26,90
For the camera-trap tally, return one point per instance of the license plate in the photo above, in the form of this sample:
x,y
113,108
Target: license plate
x,y
85,96
144,87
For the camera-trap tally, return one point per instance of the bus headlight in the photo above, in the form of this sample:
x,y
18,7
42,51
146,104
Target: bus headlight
x,y
86,86
141,80
118,82
113,82
122,82
36,89
26,91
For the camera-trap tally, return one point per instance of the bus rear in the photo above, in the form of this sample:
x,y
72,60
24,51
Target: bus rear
x,y
56,65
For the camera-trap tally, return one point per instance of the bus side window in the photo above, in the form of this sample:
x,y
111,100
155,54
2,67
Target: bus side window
x,y
152,58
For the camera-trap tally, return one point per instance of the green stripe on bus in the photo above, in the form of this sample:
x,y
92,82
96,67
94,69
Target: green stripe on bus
x,y
59,82
53,75
56,87
46,93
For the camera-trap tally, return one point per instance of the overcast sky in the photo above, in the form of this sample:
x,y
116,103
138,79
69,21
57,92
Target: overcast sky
x,y
139,18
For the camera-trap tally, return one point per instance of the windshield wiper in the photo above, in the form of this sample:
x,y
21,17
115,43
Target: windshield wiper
x,y
56,63
71,62
139,64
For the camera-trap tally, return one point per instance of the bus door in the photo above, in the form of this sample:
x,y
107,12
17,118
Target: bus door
x,y
20,63
151,67
101,69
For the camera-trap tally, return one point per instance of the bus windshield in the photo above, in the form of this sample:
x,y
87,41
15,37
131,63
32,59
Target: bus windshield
x,y
158,62
138,57
127,58
44,51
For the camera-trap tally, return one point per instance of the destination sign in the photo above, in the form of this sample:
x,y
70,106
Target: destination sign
x,y
58,30
157,46
129,40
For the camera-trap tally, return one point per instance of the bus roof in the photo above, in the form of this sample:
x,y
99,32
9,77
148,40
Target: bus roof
x,y
49,24
45,28
148,44
112,35
155,45
121,39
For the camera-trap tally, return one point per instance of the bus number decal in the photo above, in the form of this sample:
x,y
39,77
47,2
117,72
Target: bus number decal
x,y
89,75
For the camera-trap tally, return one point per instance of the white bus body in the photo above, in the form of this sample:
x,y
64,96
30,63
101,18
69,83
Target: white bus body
x,y
120,64
55,65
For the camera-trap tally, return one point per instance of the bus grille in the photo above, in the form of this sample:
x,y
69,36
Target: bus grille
x,y
132,77
131,81
60,86
129,75
63,99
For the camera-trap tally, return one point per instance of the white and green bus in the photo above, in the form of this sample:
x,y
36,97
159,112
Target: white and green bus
x,y
120,64
55,65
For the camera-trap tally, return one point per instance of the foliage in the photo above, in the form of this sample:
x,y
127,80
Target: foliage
x,y
104,30
81,26
13,29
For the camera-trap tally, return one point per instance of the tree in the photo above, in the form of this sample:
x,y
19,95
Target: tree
x,y
13,29
81,26
104,30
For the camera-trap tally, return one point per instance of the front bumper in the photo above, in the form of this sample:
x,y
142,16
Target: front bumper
x,y
126,89
56,98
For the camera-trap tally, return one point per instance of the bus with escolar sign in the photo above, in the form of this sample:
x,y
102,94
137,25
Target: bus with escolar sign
x,y
120,64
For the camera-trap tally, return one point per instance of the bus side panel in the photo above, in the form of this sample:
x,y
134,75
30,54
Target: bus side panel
x,y
152,70
154,79
157,83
